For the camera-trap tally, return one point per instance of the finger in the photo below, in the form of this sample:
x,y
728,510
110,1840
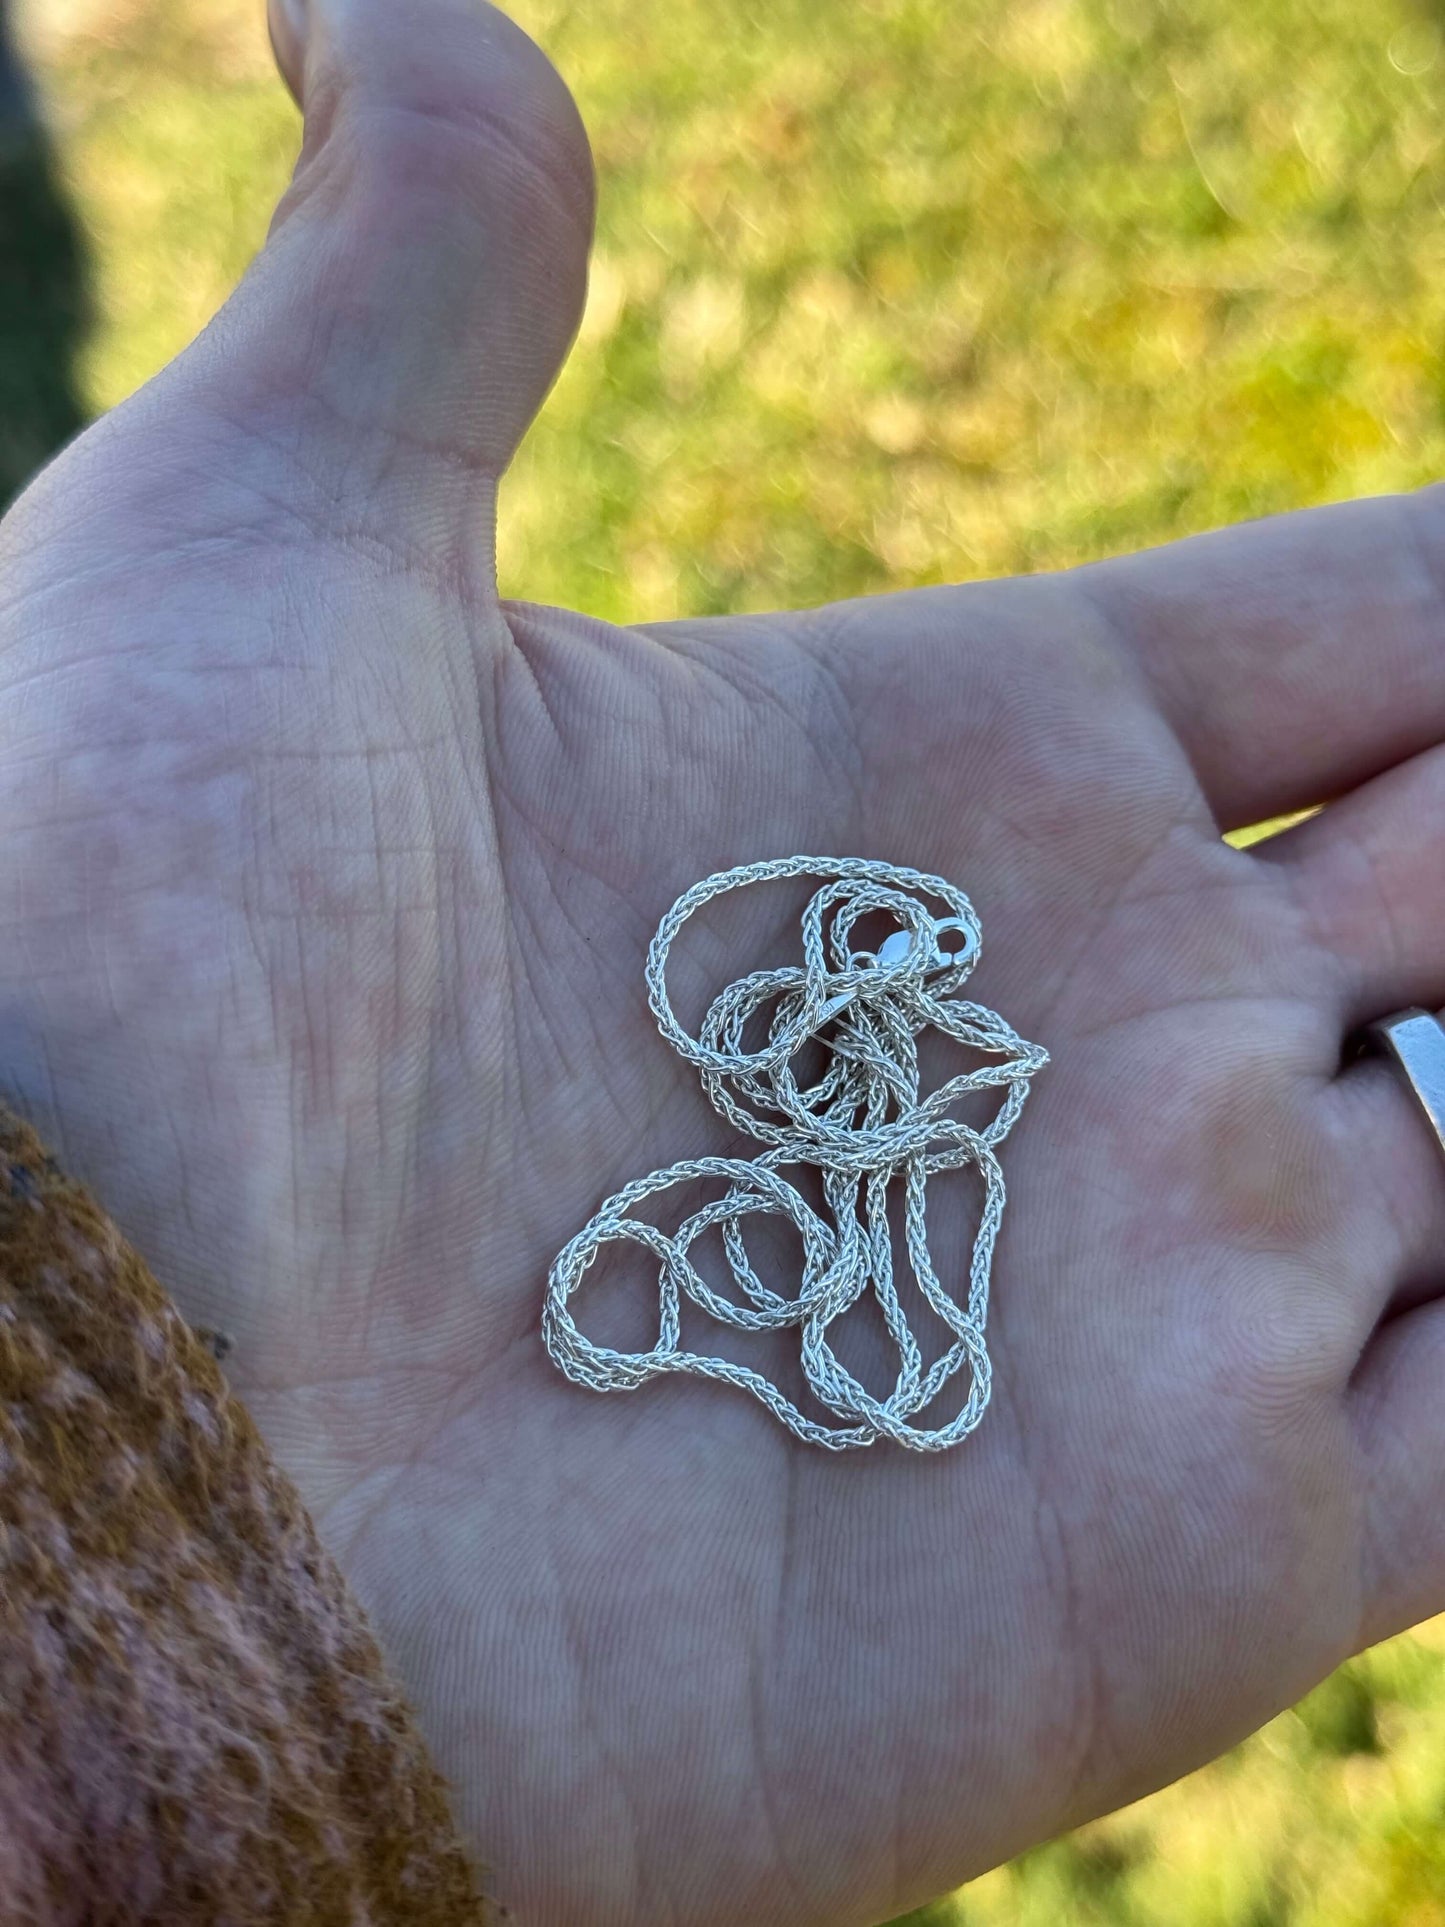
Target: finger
x,y
426,269
286,20
1368,877
1294,657
1394,1189
1399,1419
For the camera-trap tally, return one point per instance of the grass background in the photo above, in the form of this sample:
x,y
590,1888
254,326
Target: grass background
x,y
892,293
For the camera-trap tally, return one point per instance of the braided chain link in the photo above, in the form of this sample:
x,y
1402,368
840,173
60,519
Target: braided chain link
x,y
864,1125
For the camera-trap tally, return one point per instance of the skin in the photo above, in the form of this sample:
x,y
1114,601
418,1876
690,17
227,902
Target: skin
x,y
328,877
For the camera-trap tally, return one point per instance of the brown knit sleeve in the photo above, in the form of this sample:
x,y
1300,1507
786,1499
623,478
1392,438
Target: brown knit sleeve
x,y
195,1723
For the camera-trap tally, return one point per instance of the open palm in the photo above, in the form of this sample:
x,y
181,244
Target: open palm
x,y
328,879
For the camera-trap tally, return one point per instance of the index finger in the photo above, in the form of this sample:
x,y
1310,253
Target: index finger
x,y
1294,657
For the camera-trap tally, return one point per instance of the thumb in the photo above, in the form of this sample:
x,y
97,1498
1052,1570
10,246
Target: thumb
x,y
425,271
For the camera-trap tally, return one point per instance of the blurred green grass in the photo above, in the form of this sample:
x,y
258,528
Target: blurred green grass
x,y
899,293
895,293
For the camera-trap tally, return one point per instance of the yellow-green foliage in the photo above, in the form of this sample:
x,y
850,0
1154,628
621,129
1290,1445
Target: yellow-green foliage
x,y
901,291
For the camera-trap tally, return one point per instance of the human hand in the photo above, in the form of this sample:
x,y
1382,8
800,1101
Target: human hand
x,y
328,881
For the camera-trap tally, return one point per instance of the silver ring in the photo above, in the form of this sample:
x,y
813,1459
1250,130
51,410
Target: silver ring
x,y
1416,1041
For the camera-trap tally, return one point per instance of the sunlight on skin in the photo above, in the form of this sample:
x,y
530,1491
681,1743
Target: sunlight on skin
x,y
861,383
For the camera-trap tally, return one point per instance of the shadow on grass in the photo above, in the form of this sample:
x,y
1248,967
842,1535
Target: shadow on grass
x,y
44,286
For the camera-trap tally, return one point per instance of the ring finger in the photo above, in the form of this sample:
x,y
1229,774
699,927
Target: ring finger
x,y
1368,874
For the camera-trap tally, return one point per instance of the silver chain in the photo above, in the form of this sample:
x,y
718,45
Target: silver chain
x,y
863,1125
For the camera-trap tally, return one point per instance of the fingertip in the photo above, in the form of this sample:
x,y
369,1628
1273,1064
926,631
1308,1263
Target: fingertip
x,y
426,268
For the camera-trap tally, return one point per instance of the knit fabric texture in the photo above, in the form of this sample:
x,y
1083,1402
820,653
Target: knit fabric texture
x,y
196,1725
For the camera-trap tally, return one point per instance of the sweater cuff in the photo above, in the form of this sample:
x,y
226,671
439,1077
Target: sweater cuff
x,y
195,1722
